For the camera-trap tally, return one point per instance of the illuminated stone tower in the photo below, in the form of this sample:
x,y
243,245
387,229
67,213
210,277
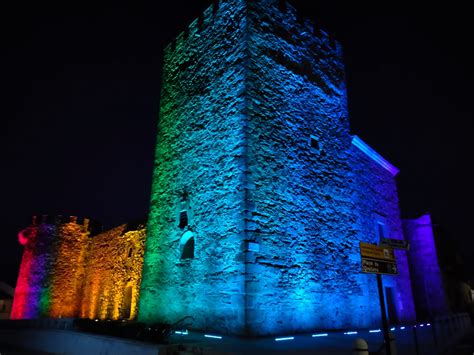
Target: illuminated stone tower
x,y
253,228
52,268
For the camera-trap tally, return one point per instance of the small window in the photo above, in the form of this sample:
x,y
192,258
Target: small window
x,y
187,245
183,219
130,252
188,250
314,143
381,230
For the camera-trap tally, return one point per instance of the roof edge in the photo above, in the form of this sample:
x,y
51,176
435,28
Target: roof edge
x,y
372,154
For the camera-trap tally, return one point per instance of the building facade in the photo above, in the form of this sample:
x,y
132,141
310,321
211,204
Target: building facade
x,y
260,196
255,153
68,273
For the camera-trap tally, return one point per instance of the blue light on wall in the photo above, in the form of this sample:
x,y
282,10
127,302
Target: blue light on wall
x,y
359,143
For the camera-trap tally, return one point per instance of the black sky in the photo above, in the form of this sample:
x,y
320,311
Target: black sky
x,y
80,95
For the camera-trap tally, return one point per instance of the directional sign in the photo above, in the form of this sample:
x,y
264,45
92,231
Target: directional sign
x,y
373,266
377,259
395,243
373,251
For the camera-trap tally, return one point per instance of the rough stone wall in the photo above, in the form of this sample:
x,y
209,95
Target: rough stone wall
x,y
68,269
51,271
428,291
375,200
112,281
258,203
28,286
304,277
199,167
66,274
253,146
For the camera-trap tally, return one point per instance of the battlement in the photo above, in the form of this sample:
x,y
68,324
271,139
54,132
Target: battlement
x,y
221,8
87,226
194,30
60,219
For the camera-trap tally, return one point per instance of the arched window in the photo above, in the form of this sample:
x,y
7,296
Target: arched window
x,y
187,245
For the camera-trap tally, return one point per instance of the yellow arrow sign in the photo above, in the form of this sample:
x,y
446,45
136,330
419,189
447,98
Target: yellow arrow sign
x,y
374,251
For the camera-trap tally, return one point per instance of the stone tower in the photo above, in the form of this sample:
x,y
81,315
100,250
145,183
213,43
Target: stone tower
x,y
52,268
252,227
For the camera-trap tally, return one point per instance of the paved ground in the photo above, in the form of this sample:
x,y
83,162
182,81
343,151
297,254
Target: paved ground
x,y
409,341
335,343
464,347
9,350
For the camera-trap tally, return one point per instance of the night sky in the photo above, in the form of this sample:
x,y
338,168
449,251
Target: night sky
x,y
80,99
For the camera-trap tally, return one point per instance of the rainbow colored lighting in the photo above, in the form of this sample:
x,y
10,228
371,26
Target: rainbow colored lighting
x,y
66,274
22,303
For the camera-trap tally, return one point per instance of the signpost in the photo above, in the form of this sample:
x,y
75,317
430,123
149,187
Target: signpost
x,y
395,243
379,260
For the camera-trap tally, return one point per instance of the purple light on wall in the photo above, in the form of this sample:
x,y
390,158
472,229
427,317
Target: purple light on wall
x,y
427,283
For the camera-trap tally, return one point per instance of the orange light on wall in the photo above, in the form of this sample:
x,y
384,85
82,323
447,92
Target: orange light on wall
x,y
116,257
67,274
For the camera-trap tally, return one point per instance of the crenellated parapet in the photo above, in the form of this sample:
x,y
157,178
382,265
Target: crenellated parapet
x,y
283,10
288,39
53,221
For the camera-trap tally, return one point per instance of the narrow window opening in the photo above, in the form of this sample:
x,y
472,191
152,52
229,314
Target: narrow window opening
x,y
380,230
188,250
183,219
314,143
130,252
127,303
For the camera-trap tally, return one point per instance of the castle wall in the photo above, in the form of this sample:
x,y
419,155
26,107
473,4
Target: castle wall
x,y
114,264
49,282
376,200
66,274
254,131
28,286
67,278
199,167
428,289
259,198
305,275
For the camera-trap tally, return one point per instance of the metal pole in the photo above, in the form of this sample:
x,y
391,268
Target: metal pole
x,y
384,316
435,335
415,337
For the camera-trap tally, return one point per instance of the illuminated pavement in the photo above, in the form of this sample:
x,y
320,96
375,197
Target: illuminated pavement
x,y
331,343
318,343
